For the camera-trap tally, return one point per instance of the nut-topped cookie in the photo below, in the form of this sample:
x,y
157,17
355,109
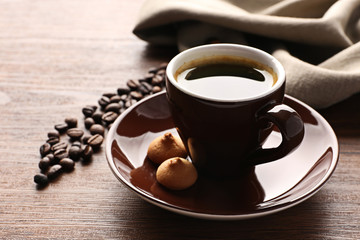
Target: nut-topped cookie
x,y
176,174
165,147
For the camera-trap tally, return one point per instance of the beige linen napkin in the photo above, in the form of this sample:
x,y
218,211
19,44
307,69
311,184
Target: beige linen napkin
x,y
317,41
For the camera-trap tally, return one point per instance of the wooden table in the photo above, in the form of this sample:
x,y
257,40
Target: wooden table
x,y
58,56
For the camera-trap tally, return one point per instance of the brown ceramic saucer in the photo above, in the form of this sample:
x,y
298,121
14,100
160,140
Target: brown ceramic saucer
x,y
262,190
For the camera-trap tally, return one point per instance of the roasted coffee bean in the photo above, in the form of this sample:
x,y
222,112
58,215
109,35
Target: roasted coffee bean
x,y
123,91
148,77
115,99
67,164
76,143
109,95
60,145
136,95
44,163
113,107
145,88
45,149
163,65
54,171
88,111
60,154
89,122
156,89
95,141
157,80
104,101
124,97
161,72
132,84
153,70
71,122
130,102
110,125
51,157
97,129
87,153
61,127
75,133
94,107
86,138
97,116
41,179
109,117
75,152
122,104
53,134
53,140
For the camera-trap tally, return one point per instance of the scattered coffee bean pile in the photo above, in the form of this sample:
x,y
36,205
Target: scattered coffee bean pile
x,y
59,156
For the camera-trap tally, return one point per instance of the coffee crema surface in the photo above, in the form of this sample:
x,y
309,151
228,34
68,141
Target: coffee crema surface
x,y
225,77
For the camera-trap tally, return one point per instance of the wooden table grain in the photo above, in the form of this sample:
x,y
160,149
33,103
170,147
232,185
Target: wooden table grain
x,y
58,56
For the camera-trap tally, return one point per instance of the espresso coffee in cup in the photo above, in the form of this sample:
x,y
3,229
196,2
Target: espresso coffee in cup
x,y
225,100
225,77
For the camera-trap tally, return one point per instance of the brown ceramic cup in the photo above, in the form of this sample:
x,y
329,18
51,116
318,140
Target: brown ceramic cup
x,y
225,136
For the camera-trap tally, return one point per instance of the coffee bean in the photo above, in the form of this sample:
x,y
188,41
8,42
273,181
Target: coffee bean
x,y
75,152
96,141
110,125
163,65
88,111
130,102
86,138
113,107
157,80
136,95
109,95
88,122
145,88
87,153
132,84
51,157
161,72
53,134
123,91
104,101
148,77
41,179
76,143
54,172
71,122
44,163
60,145
109,117
45,149
97,129
67,164
153,70
60,154
75,133
61,127
115,99
156,89
124,97
53,140
97,116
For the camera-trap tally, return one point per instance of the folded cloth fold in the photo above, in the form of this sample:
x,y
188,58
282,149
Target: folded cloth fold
x,y
316,41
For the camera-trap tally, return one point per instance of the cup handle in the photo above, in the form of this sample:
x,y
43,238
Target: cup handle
x,y
291,128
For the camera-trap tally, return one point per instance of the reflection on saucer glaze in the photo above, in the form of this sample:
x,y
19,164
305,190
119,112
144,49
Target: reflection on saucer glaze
x,y
261,190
